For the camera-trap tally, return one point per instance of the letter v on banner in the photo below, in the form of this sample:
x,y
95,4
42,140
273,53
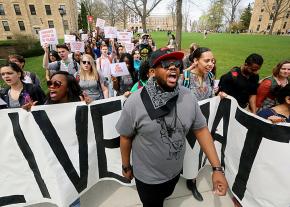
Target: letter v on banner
x,y
50,134
223,113
97,113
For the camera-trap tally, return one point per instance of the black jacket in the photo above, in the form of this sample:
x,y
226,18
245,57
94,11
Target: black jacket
x,y
35,93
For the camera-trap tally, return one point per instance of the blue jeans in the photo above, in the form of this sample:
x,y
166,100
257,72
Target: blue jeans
x,y
76,203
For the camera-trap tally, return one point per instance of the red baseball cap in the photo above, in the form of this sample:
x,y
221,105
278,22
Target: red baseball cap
x,y
164,54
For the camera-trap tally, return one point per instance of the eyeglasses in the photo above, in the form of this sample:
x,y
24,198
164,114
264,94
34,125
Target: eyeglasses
x,y
55,84
86,62
167,63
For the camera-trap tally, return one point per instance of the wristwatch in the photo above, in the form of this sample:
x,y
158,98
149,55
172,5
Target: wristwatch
x,y
126,168
219,169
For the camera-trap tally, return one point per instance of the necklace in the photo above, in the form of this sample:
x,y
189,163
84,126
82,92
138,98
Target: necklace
x,y
172,127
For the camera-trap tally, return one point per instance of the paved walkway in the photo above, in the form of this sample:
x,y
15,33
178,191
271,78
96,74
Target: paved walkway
x,y
113,194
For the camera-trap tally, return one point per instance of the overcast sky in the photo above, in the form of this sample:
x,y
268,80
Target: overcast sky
x,y
196,9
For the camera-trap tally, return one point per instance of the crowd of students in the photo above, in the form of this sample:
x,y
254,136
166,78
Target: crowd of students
x,y
87,77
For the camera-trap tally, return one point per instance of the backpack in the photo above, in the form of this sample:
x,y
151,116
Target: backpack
x,y
186,78
74,62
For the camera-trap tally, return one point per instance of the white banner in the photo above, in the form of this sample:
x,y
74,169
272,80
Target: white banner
x,y
84,37
48,36
57,152
69,38
77,46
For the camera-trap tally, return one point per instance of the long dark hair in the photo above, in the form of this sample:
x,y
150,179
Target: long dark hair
x,y
16,68
74,90
131,63
281,93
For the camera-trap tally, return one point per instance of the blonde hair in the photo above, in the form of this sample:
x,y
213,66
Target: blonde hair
x,y
93,74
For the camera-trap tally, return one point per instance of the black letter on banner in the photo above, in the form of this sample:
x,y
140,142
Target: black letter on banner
x,y
257,129
49,132
97,112
13,199
28,154
205,109
223,112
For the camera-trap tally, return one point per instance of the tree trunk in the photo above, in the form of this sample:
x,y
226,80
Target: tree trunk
x,y
143,19
178,23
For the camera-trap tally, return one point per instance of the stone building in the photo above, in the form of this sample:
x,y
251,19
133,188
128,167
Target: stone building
x,y
261,20
154,22
29,16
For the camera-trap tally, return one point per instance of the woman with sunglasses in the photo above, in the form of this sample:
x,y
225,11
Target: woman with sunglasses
x,y
91,82
19,94
64,88
199,79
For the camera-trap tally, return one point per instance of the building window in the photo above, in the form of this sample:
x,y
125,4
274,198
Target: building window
x,y
258,28
285,24
21,25
5,25
287,15
65,25
271,17
260,18
2,12
17,9
269,26
47,9
50,24
63,8
262,10
32,9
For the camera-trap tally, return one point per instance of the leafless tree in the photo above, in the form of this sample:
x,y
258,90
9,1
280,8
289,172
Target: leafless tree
x,y
172,8
276,9
140,7
113,10
231,9
95,8
178,23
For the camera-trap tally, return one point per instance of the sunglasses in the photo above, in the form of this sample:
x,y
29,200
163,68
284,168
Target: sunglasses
x,y
167,63
86,62
55,84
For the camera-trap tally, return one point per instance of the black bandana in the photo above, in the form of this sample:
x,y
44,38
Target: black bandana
x,y
158,102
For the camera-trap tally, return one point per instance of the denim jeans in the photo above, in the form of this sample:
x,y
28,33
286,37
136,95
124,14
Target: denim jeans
x,y
76,203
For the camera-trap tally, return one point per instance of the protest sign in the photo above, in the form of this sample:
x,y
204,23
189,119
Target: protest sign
x,y
119,69
100,23
77,46
110,32
48,36
57,152
129,47
69,38
124,37
84,37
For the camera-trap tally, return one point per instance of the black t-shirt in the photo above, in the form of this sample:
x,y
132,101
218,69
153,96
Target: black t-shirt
x,y
239,86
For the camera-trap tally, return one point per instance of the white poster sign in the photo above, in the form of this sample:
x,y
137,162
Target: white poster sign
x,y
84,37
69,38
124,37
119,69
48,36
100,23
77,46
110,32
129,47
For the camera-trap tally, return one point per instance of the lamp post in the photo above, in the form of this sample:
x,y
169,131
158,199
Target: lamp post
x,y
62,12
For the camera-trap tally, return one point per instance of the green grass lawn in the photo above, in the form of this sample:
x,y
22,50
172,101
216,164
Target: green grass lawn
x,y
229,50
